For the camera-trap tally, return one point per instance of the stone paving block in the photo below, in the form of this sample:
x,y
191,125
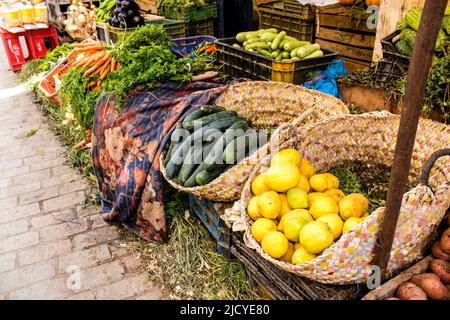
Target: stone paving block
x,y
124,289
131,263
38,195
36,176
85,258
93,237
64,201
8,203
47,156
11,228
85,295
101,275
46,164
19,241
95,221
11,164
62,230
118,249
53,289
19,190
73,186
19,212
151,295
7,262
5,182
58,180
61,170
11,155
48,219
44,251
14,172
21,277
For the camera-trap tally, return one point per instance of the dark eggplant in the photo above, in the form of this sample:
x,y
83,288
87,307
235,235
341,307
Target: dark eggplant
x,y
118,3
117,10
138,20
115,22
126,4
132,13
124,25
122,16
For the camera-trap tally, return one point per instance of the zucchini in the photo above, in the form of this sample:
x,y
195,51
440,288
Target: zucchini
x,y
257,45
277,40
279,56
265,53
315,54
237,148
201,112
241,36
268,36
237,46
270,30
275,53
215,156
251,35
306,50
253,40
285,55
204,177
200,122
291,45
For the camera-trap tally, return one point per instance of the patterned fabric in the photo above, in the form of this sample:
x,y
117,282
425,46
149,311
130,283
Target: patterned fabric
x,y
126,150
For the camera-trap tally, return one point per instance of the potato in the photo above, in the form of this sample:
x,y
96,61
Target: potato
x,y
445,241
439,253
409,291
432,285
442,269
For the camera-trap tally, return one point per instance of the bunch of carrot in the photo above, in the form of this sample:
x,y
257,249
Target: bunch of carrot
x,y
96,60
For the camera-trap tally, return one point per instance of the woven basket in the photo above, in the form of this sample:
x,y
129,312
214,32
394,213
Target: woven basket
x,y
266,105
369,138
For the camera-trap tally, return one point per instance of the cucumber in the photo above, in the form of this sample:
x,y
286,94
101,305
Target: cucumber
x,y
250,35
270,30
236,46
277,40
215,156
275,53
285,55
173,141
241,36
265,53
268,36
201,112
279,56
306,50
237,148
291,45
253,40
204,177
257,45
200,122
315,54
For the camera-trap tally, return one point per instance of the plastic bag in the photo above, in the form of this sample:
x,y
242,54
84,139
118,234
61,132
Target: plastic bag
x,y
325,81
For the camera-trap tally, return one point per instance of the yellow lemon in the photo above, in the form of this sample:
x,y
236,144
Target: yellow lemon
x,y
288,255
282,177
333,181
269,204
301,256
297,245
259,186
350,224
303,184
285,208
323,206
365,215
319,182
275,244
334,222
350,207
292,228
316,236
286,155
362,200
336,194
313,196
307,168
294,213
253,208
261,227
297,198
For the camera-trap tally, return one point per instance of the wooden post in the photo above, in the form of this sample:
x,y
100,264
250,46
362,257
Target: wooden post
x,y
419,67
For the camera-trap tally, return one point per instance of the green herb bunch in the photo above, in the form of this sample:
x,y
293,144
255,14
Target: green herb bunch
x,y
179,4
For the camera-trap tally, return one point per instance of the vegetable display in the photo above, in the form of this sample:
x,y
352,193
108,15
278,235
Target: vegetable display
x,y
105,10
126,15
207,143
80,22
179,4
277,45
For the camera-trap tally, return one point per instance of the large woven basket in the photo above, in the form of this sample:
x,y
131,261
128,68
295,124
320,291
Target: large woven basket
x,y
266,105
369,138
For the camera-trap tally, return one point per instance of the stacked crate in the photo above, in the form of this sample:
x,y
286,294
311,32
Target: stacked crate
x,y
57,11
148,6
345,30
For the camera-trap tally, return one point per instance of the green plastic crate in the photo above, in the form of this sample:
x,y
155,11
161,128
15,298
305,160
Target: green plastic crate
x,y
191,14
197,28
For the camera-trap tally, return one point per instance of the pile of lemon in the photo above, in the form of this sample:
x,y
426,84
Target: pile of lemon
x,y
297,213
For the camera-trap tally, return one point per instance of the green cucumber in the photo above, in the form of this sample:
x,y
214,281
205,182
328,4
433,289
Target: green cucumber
x,y
268,36
291,45
262,31
279,56
257,45
315,54
236,46
278,39
265,53
250,35
241,36
201,112
215,156
237,148
200,122
204,177
173,141
285,55
306,50
253,40
275,53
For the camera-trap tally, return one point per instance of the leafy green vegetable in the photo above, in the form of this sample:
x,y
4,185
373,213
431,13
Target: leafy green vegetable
x,y
53,56
179,4
145,36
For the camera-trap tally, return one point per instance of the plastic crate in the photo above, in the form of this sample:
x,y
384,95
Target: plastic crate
x,y
239,63
390,71
283,285
209,213
48,84
102,31
297,20
189,44
390,53
191,14
204,27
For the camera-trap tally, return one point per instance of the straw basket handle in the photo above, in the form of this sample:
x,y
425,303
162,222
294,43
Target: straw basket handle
x,y
424,179
274,139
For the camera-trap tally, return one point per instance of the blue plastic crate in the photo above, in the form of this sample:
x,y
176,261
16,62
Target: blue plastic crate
x,y
210,217
189,44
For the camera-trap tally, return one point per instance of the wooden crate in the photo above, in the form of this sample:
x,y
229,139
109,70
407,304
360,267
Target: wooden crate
x,y
344,30
149,6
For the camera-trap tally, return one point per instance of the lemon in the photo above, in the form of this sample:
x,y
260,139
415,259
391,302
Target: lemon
x,y
303,184
333,181
361,199
319,182
253,208
350,207
282,177
350,224
306,168
313,196
297,245
275,244
292,228
288,255
269,204
259,186
336,194
334,222
286,155
323,206
365,215
297,198
301,256
316,236
285,208
294,213
261,227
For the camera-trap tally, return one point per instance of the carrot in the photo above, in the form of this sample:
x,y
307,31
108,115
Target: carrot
x,y
97,64
117,66
113,64
80,144
105,73
92,83
103,68
89,47
94,58
85,44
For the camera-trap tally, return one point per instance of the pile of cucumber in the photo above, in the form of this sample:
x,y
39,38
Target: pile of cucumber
x,y
206,143
277,45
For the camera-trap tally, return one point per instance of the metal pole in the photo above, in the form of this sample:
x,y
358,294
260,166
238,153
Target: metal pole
x,y
419,67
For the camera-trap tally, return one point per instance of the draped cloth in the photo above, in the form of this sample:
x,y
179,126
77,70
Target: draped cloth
x,y
126,147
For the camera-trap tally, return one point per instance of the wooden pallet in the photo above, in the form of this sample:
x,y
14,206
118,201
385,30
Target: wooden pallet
x,y
148,6
344,30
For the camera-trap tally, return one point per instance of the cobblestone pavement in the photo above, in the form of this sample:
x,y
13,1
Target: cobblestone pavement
x,y
51,245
